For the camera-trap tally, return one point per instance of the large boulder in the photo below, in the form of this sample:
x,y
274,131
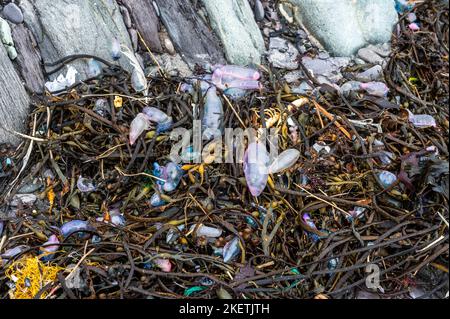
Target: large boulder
x,y
345,26
69,27
28,59
14,101
234,23
146,21
191,36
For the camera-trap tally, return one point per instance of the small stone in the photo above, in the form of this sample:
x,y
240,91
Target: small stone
x,y
351,86
134,38
283,54
303,88
126,16
12,53
5,33
329,68
370,56
259,11
13,13
293,76
372,74
168,44
383,50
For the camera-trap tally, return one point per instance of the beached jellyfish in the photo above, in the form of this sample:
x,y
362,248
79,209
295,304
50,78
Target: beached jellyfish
x,y
227,72
387,179
231,250
163,121
256,163
163,264
173,234
115,49
173,175
170,174
212,121
414,26
48,252
210,232
94,68
75,226
84,185
284,161
308,220
243,84
138,126
157,201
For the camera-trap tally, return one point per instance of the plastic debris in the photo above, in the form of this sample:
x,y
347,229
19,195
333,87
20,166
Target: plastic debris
x,y
63,82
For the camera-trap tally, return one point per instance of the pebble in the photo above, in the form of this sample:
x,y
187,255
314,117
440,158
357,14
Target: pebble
x,y
329,68
283,54
370,56
351,86
23,199
372,74
13,13
134,38
168,44
303,88
259,11
126,16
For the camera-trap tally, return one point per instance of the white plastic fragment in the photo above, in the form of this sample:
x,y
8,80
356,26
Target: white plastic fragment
x,y
62,82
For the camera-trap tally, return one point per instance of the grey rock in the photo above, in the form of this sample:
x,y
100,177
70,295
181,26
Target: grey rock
x,y
14,101
350,86
146,21
234,23
329,68
12,53
293,76
259,10
13,13
68,27
345,26
370,56
171,64
126,16
190,35
283,54
383,50
372,74
5,33
28,60
303,88
134,38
